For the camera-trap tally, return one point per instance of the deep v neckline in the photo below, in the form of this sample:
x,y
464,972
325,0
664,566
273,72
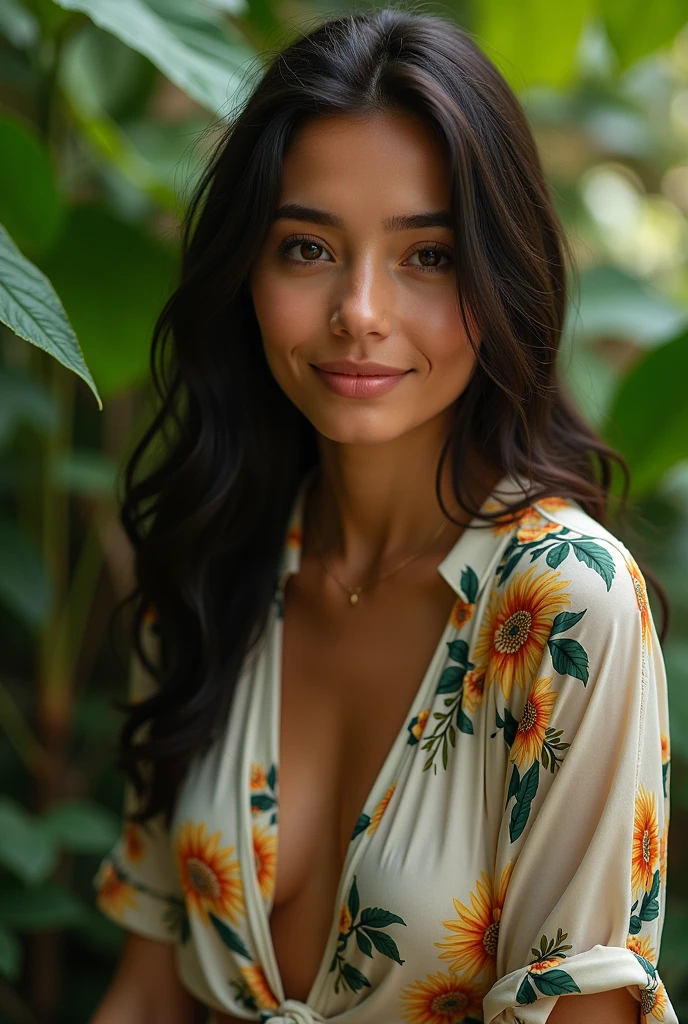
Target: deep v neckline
x,y
397,755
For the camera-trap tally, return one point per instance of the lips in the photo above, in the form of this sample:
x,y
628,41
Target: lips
x,y
360,369
359,385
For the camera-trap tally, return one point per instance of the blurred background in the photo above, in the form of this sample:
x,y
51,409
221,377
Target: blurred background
x,y
107,111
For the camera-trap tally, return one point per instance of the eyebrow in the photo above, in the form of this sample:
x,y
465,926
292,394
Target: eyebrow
x,y
431,219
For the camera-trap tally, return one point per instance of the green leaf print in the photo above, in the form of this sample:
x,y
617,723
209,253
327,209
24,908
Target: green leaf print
x,y
513,785
354,900
368,936
557,554
551,744
465,724
524,798
647,965
526,993
509,724
469,584
569,658
565,620
360,826
451,679
555,982
665,769
374,917
353,978
596,557
229,936
385,944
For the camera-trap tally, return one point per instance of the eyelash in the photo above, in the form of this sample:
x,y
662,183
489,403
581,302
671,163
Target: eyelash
x,y
294,240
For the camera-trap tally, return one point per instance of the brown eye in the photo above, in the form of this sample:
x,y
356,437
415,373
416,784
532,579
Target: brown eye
x,y
430,257
309,250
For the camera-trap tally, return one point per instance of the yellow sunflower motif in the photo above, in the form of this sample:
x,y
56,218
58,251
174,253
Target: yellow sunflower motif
x,y
540,966
461,613
472,946
663,840
417,729
134,848
344,919
115,896
641,946
666,752
258,987
527,518
652,1003
265,855
645,841
259,779
641,598
530,735
380,809
209,876
442,999
294,538
516,626
473,689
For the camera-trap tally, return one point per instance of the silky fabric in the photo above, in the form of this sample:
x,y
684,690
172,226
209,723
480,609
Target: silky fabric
x,y
512,850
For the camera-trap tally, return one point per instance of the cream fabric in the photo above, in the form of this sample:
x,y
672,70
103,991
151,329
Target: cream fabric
x,y
513,847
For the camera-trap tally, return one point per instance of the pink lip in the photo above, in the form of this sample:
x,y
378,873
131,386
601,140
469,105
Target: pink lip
x,y
351,385
365,368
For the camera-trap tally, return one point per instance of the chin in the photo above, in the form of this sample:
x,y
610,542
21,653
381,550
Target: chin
x,y
359,428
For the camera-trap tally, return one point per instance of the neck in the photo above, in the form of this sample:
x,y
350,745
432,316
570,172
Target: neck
x,y
373,505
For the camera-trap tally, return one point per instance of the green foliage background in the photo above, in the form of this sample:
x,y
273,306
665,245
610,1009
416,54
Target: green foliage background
x,y
107,108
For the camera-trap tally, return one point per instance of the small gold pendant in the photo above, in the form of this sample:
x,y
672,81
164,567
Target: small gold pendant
x,y
354,598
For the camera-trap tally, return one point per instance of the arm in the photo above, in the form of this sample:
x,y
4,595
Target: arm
x,y
146,988
617,1007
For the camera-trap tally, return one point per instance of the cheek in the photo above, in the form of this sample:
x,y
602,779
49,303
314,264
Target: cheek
x,y
287,317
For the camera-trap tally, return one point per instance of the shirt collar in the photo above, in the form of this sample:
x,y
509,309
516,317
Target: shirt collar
x,y
476,548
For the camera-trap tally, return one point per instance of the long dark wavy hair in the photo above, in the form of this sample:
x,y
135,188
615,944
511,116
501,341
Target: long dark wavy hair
x,y
210,485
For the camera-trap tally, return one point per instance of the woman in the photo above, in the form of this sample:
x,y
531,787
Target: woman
x,y
402,694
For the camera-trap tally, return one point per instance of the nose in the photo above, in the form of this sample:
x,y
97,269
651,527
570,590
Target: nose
x,y
292,1012
364,307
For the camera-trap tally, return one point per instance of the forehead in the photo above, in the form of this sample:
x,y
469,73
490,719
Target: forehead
x,y
383,164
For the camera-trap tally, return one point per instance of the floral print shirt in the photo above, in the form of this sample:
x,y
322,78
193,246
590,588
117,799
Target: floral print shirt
x,y
512,850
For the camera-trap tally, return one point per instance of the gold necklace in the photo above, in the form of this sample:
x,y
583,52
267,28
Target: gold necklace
x,y
355,591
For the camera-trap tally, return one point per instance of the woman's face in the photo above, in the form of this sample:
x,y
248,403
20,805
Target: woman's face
x,y
350,276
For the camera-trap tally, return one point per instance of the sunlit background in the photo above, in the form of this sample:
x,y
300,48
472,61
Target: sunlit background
x,y
107,110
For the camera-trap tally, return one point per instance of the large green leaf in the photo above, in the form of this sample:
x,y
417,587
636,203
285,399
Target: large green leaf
x,y
534,42
113,278
24,400
10,955
636,28
17,24
188,43
615,304
25,587
30,307
30,205
38,908
26,847
648,420
81,826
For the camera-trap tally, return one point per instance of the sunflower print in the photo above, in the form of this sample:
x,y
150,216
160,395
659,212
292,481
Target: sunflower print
x,y
472,946
642,599
115,896
441,999
258,986
517,626
461,613
209,875
530,735
417,725
528,519
258,779
134,849
473,689
265,855
663,839
641,946
645,841
652,1003
380,809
